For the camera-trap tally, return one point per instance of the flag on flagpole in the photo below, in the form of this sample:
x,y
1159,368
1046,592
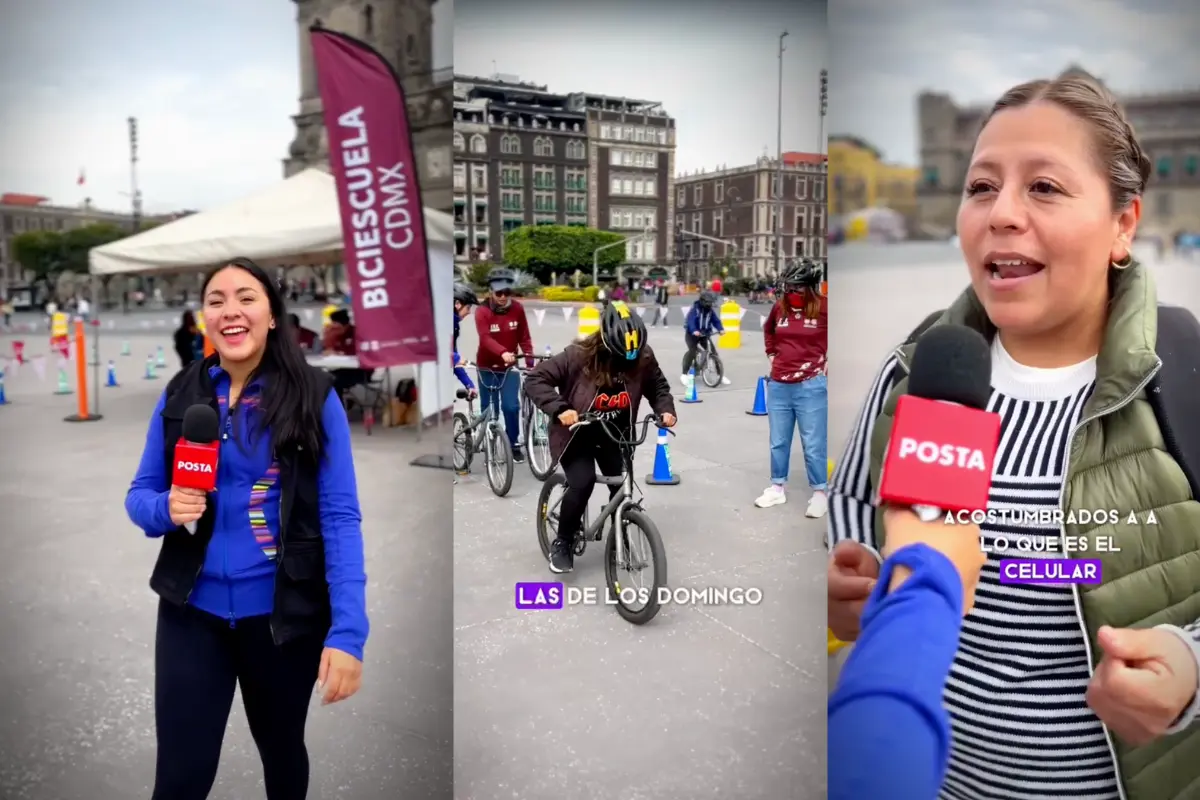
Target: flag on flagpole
x,y
82,179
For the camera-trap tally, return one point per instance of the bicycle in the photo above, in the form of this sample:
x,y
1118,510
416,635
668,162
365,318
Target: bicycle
x,y
535,433
708,363
623,511
483,433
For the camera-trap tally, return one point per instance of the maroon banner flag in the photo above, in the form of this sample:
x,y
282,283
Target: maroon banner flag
x,y
383,221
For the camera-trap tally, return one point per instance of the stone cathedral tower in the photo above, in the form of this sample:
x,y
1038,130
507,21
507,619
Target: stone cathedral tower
x,y
402,30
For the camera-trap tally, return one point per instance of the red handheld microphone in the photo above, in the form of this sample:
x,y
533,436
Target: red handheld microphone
x,y
197,450
943,444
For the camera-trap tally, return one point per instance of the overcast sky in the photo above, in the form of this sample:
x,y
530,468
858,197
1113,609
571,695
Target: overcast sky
x,y
884,53
213,83
713,65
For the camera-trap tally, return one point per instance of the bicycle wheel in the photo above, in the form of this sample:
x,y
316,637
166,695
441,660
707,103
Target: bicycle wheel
x,y
634,558
547,513
537,444
713,371
462,444
499,461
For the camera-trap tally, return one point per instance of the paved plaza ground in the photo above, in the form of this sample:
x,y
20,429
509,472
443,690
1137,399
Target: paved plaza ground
x,y
699,703
76,712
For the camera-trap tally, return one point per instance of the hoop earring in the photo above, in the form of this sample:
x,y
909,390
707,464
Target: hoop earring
x,y
1124,263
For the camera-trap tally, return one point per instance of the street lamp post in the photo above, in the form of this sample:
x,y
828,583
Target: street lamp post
x,y
622,240
779,163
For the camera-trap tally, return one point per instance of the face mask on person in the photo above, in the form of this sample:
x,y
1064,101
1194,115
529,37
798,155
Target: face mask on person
x,y
795,299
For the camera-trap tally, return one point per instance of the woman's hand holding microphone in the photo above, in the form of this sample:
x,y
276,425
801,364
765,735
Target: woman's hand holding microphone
x,y
186,505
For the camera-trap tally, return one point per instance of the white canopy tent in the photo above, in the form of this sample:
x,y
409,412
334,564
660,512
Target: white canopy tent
x,y
295,222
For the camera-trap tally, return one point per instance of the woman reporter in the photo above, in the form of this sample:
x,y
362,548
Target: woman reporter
x,y
887,708
261,582
796,337
608,373
1056,690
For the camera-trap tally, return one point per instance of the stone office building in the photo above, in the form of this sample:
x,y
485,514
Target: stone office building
x,y
740,206
402,30
1168,125
528,156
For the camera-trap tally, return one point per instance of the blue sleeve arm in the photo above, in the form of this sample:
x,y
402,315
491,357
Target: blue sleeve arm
x,y
460,372
341,529
689,322
146,502
889,734
718,326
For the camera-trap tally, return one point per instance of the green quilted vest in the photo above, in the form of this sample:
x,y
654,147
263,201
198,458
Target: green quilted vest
x,y
1118,460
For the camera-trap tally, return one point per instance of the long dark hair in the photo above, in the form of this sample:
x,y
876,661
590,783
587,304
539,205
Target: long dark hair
x,y
188,321
290,407
602,367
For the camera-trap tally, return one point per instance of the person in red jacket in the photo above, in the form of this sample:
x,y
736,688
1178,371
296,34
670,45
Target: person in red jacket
x,y
503,331
796,334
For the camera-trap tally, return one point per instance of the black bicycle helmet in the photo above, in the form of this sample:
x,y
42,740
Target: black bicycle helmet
x,y
708,299
622,331
800,273
501,279
465,294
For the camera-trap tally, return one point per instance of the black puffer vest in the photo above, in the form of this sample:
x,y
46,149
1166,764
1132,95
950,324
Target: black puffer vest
x,y
301,592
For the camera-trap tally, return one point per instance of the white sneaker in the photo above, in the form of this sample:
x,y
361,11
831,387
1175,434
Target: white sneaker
x,y
818,505
773,496
725,381
683,379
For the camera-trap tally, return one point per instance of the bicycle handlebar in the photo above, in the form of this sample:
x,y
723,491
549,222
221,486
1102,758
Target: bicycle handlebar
x,y
591,417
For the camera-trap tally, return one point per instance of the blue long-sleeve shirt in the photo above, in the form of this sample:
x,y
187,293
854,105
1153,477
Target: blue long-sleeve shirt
x,y
460,372
238,576
704,321
888,732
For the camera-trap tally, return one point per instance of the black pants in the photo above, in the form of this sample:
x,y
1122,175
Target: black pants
x,y
590,450
694,343
198,661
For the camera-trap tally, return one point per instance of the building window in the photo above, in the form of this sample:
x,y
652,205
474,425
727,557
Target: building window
x,y
801,187
819,221
510,144
510,201
575,179
681,196
930,177
819,190
614,157
369,21
679,222
543,202
775,194
543,177
801,222
662,136
460,177
460,143
698,195
748,247
478,178
576,204
649,246
798,248
576,149
543,146
1164,166
697,223
718,222
510,175
719,192
606,131
478,144
1191,165
481,212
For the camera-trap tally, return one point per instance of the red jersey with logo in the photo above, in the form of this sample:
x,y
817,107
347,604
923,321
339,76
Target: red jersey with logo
x,y
502,333
797,342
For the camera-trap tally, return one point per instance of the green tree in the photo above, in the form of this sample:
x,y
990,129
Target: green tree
x,y
49,254
544,249
478,272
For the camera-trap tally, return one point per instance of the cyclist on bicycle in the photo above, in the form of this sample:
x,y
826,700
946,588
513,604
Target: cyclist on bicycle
x,y
464,301
608,373
701,322
796,337
503,330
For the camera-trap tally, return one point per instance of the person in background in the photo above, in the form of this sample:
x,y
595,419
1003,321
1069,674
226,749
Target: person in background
x,y
261,583
503,331
716,286
305,338
464,301
609,373
189,342
662,297
618,293
339,339
888,731
1056,690
701,323
6,308
796,337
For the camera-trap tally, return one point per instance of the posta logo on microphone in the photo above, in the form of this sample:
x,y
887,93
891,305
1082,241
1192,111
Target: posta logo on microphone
x,y
195,465
939,454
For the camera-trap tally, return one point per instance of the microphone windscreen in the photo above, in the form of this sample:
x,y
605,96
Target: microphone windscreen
x,y
954,364
201,424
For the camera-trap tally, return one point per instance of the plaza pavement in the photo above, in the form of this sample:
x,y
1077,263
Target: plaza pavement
x,y
699,703
77,615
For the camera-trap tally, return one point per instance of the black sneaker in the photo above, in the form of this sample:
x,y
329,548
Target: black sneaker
x,y
562,557
518,455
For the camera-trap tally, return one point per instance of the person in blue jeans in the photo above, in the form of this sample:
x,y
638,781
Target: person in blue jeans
x,y
888,731
261,582
796,337
701,322
503,331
